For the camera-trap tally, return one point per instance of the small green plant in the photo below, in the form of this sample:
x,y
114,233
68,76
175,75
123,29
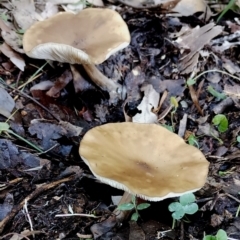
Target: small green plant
x,y
238,210
191,81
221,235
168,127
186,205
221,122
192,140
224,173
174,103
218,95
133,205
4,17
230,5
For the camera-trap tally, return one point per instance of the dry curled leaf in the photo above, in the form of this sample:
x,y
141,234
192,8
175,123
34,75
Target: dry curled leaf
x,y
194,41
149,103
233,91
14,57
6,103
24,13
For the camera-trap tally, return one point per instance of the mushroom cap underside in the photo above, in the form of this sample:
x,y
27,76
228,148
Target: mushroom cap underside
x,y
90,36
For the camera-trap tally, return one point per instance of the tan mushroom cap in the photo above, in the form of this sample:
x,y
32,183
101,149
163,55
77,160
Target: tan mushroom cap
x,y
146,160
90,36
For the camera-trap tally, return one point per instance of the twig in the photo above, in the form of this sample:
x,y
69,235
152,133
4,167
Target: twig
x,y
48,150
10,183
86,236
28,216
232,197
77,214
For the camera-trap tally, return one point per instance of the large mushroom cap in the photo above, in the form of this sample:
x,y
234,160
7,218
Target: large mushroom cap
x,y
90,36
146,160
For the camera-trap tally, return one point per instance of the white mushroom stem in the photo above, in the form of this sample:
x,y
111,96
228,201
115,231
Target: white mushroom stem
x,y
123,215
115,90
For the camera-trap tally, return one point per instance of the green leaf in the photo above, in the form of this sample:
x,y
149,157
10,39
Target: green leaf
x,y
143,206
238,139
192,140
191,81
227,8
223,174
191,208
4,126
134,199
221,121
174,102
209,237
175,206
125,207
218,95
134,217
4,17
187,198
170,128
20,31
221,235
178,214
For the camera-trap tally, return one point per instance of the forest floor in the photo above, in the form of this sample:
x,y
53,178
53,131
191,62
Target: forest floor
x,y
59,104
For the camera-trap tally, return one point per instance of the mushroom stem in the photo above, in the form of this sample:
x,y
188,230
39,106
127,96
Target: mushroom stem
x,y
123,215
115,90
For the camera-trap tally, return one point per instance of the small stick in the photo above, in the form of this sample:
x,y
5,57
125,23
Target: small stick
x,y
77,214
28,216
85,236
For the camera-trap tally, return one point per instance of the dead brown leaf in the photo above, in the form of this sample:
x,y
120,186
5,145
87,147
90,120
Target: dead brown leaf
x,y
6,103
42,86
233,91
195,99
195,41
7,206
149,102
13,56
230,66
10,36
216,220
24,13
59,84
79,82
188,8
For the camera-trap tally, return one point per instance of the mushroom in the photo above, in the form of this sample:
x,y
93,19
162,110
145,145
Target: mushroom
x,y
145,160
89,37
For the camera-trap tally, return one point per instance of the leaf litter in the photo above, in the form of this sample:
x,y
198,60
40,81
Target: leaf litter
x,y
166,50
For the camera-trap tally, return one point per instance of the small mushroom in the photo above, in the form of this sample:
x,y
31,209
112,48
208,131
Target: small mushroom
x,y
145,160
89,37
